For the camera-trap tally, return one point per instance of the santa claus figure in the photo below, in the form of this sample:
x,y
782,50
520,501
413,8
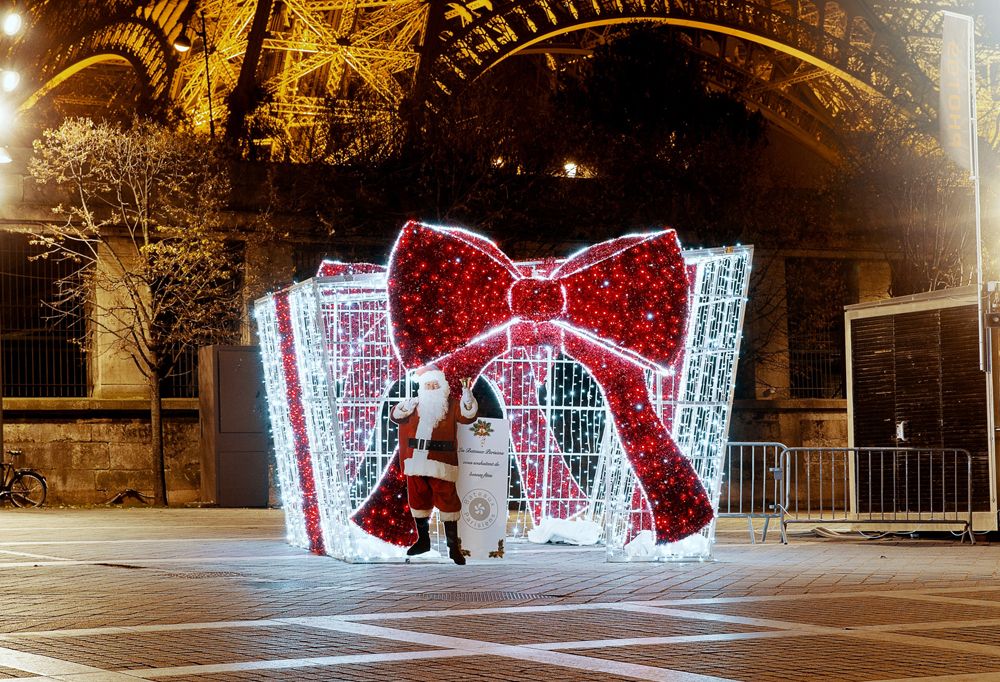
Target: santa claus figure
x,y
428,451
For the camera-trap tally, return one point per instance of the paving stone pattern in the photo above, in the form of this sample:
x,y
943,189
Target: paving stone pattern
x,y
802,658
487,668
854,611
528,628
101,595
204,646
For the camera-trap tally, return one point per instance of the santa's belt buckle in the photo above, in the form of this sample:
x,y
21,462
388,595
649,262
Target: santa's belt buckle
x,y
421,444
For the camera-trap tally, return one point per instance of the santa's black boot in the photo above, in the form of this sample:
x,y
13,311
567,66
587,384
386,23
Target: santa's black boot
x,y
423,543
454,542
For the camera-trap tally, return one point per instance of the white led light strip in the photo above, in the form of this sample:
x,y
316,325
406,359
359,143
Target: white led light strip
x,y
281,428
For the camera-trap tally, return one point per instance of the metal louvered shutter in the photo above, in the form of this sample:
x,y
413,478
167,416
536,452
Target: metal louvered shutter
x,y
922,368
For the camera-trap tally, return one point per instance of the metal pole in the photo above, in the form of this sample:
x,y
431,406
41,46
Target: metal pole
x,y
984,332
957,108
208,76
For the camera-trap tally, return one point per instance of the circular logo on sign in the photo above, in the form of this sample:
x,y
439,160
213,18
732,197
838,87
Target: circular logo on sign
x,y
479,508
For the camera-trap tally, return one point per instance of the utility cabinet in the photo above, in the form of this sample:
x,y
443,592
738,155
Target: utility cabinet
x,y
234,435
913,380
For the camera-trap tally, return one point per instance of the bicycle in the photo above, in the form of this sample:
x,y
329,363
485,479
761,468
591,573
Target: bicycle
x,y
23,487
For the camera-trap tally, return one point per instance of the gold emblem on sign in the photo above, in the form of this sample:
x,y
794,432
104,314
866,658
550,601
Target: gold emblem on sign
x,y
482,429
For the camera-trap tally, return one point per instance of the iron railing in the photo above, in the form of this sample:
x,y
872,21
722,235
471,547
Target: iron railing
x,y
182,380
753,485
879,487
816,372
39,349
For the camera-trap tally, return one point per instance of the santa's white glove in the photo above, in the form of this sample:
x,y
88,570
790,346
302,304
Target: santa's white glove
x,y
406,406
469,407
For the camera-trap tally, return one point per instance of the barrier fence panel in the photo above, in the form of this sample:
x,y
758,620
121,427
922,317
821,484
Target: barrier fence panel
x,y
753,485
879,486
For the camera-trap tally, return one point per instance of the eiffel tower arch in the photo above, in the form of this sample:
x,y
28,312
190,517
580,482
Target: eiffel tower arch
x,y
64,40
806,65
800,62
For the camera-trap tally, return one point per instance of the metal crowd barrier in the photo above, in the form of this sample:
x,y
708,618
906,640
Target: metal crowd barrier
x,y
753,485
892,486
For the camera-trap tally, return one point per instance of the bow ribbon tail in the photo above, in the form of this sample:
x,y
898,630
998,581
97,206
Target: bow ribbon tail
x,y
678,501
385,513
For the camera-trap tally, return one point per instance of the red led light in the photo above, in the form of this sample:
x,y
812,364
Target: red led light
x,y
385,514
303,458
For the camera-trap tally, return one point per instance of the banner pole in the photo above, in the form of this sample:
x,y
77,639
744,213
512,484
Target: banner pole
x,y
960,136
984,333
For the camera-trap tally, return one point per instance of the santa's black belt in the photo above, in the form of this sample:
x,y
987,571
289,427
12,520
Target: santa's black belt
x,y
442,445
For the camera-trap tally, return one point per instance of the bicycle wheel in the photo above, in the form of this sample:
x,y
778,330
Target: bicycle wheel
x,y
28,489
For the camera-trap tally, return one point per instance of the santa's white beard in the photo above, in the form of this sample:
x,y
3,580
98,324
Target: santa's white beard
x,y
433,404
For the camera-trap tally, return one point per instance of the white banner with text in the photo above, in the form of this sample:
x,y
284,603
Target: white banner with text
x,y
482,486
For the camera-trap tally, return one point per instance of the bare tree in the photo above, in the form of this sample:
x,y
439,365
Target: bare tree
x,y
143,223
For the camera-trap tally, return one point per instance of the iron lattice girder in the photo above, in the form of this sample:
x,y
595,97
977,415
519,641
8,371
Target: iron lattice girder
x,y
68,39
805,121
311,51
772,83
864,52
315,49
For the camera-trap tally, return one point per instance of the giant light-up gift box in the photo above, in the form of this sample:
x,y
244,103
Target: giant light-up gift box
x,y
332,376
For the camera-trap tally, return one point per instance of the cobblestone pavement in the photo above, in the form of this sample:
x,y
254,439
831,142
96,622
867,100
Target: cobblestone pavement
x,y
205,594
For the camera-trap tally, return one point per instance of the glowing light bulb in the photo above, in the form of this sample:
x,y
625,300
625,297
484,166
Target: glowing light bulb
x,y
12,23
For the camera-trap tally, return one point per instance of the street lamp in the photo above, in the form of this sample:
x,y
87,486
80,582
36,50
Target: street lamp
x,y
182,44
12,23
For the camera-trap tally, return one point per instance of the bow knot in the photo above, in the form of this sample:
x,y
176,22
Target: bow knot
x,y
537,299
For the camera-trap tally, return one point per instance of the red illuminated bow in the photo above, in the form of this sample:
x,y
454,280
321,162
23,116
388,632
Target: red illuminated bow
x,y
616,308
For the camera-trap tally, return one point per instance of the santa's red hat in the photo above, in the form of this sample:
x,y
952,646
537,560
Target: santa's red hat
x,y
431,367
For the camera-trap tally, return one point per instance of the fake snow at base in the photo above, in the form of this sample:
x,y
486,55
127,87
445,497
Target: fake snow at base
x,y
368,547
643,546
566,531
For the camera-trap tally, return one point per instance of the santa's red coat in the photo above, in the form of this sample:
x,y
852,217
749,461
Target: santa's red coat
x,y
438,463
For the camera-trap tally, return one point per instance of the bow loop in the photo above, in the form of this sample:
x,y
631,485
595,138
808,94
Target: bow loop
x,y
630,295
446,288
437,280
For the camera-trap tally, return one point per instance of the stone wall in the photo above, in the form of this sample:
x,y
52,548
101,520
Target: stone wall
x,y
795,423
90,459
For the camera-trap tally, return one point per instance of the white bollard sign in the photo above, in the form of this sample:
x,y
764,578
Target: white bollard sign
x,y
482,486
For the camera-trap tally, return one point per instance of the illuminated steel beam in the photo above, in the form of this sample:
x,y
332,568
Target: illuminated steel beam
x,y
321,51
